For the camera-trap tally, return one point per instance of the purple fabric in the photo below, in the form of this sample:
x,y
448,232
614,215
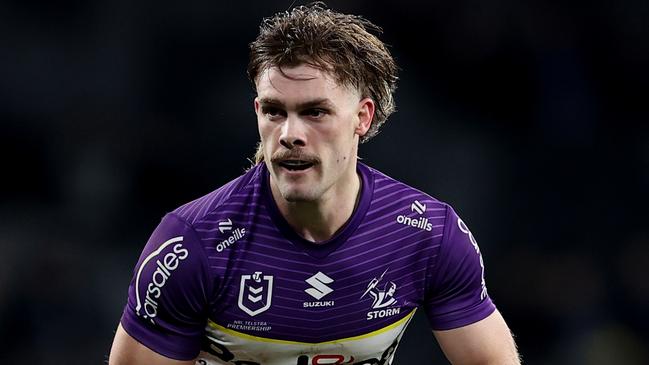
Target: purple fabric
x,y
168,295
400,250
457,296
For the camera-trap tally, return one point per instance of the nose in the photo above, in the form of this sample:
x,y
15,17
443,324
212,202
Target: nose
x,y
293,133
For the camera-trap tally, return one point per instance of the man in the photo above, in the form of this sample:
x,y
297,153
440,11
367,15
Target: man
x,y
311,257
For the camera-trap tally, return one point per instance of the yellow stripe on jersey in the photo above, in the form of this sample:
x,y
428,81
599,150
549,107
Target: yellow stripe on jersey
x,y
272,340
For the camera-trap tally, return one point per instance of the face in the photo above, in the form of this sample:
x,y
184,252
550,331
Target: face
x,y
309,128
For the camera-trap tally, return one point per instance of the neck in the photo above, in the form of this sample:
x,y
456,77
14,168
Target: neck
x,y
320,220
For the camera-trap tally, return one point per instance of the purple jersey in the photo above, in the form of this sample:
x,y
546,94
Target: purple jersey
x,y
225,279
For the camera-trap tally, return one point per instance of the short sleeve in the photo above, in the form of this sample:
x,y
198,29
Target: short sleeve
x,y
169,291
457,293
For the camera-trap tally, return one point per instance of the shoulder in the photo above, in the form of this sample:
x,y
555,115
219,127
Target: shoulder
x,y
244,186
390,194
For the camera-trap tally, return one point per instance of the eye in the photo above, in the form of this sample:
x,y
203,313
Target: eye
x,y
272,113
315,112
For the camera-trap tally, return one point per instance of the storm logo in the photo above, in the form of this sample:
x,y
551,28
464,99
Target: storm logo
x,y
382,298
164,267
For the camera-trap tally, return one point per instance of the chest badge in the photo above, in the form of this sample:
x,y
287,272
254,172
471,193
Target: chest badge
x,y
383,298
255,293
319,289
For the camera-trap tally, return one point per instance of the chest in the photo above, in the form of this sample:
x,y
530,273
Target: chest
x,y
270,288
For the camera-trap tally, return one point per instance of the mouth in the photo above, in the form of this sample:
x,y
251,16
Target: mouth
x,y
295,165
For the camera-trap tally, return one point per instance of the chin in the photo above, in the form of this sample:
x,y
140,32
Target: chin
x,y
297,199
298,196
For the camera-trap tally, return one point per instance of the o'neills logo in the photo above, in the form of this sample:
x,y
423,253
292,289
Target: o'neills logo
x,y
236,235
164,266
421,222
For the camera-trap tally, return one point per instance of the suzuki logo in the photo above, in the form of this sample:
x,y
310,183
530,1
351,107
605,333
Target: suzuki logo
x,y
418,207
319,288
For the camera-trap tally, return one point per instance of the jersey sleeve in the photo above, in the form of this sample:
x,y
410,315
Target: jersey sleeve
x,y
169,293
457,294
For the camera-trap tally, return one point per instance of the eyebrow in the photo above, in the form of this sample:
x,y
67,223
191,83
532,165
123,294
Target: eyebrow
x,y
320,102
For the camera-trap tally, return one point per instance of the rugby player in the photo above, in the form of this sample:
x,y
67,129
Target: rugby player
x,y
311,257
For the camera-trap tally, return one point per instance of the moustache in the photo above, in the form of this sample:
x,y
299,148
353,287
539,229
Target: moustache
x,y
280,156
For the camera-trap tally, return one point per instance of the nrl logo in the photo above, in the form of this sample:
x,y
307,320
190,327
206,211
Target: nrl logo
x,y
255,293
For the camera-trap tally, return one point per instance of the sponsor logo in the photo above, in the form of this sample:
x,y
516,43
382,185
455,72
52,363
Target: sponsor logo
x,y
463,227
318,290
417,222
225,226
332,359
215,348
381,298
416,206
165,265
255,293
326,303
236,235
421,222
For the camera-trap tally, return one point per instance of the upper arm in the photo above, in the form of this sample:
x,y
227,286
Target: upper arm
x,y
128,351
457,292
488,341
465,322
169,295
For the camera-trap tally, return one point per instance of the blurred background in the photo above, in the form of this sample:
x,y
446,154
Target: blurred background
x,y
530,118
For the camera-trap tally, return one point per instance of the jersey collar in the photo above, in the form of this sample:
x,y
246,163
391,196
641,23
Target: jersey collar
x,y
324,248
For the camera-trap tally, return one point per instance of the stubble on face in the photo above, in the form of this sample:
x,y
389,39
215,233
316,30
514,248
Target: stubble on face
x,y
329,150
285,186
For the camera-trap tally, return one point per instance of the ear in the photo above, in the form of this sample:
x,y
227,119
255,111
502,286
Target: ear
x,y
257,106
365,116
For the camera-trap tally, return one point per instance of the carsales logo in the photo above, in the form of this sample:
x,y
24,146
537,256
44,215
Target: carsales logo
x,y
164,267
